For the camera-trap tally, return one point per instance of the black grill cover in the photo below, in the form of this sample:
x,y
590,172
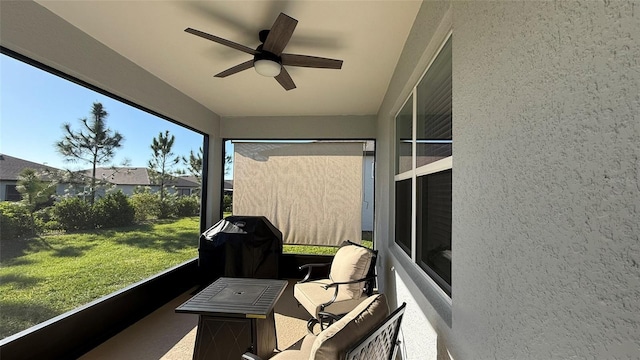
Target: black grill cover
x,y
240,246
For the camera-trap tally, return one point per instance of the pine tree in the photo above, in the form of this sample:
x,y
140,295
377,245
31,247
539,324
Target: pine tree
x,y
94,144
161,165
194,164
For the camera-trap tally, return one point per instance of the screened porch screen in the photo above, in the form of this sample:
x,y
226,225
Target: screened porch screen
x,y
312,192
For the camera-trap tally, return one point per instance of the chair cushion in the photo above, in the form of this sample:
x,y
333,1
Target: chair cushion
x,y
337,339
311,295
351,262
298,354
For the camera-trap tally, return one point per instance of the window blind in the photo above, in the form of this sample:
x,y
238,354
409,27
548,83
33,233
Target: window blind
x,y
433,224
434,97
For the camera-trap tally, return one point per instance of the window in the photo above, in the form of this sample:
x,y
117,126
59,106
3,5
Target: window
x,y
424,171
183,192
403,214
11,193
124,234
433,225
404,138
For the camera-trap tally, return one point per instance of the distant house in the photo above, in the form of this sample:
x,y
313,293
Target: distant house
x,y
124,178
228,187
10,169
128,178
368,190
186,185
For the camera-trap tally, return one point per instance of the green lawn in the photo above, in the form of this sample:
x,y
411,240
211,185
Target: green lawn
x,y
317,250
42,278
314,250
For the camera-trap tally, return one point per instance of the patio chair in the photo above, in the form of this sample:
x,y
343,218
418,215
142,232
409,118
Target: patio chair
x,y
367,332
351,280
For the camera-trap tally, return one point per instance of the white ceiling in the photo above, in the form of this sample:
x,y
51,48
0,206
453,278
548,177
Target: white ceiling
x,y
367,35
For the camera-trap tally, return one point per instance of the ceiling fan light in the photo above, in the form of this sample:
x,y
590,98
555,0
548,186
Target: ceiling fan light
x,y
266,67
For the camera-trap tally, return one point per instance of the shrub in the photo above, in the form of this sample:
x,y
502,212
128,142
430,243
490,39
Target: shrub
x,y
227,204
113,210
146,204
167,209
51,225
44,215
15,221
168,205
43,219
187,206
73,214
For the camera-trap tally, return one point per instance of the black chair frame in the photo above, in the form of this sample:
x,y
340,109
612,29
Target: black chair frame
x,y
326,319
382,340
380,343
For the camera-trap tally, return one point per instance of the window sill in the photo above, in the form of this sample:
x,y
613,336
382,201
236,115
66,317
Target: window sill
x,y
426,287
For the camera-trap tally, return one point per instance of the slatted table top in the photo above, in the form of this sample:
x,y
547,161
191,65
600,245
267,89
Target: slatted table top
x,y
236,297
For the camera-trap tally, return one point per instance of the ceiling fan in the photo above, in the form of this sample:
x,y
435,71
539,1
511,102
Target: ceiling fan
x,y
268,57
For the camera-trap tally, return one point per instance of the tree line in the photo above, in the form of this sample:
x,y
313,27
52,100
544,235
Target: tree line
x,y
95,144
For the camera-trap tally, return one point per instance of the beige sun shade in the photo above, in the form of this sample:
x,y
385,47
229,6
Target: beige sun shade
x,y
312,192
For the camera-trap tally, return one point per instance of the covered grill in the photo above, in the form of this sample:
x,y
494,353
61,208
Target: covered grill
x,y
240,246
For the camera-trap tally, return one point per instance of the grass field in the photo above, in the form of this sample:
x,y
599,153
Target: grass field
x,y
45,277
316,250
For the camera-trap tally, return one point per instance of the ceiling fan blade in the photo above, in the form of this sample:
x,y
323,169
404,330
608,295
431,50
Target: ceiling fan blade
x,y
285,80
280,34
310,61
222,41
236,69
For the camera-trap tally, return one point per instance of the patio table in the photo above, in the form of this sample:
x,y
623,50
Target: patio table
x,y
236,315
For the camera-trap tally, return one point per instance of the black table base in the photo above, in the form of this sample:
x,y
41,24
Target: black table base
x,y
236,316
227,338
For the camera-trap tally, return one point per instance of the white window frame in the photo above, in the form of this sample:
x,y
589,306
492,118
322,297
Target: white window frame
x,y
415,172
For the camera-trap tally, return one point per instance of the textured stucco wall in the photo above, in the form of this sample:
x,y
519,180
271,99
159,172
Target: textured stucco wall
x,y
415,326
546,184
546,191
3,187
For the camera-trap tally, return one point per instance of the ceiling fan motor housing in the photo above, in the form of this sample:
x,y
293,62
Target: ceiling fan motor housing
x,y
265,55
267,63
262,35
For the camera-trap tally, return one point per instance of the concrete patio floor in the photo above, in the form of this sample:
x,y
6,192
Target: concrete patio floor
x,y
167,335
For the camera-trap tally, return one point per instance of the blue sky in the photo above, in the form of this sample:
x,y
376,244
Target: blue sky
x,y
34,104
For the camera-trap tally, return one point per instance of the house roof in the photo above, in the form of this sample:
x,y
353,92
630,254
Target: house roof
x,y
186,181
10,167
122,175
367,35
136,176
228,185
